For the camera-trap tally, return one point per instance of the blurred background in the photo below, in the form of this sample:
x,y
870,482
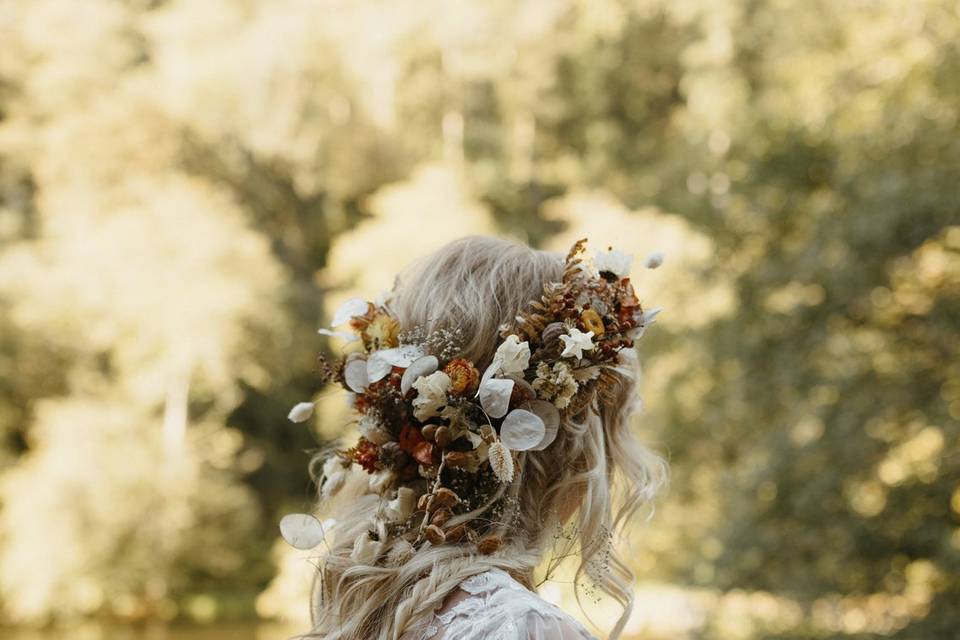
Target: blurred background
x,y
188,188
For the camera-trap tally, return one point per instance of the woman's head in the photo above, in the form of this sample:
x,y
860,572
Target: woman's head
x,y
474,286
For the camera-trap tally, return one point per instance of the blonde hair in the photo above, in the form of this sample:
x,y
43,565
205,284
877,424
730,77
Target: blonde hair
x,y
476,284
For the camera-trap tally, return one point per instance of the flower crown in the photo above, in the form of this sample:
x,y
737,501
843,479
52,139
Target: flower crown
x,y
438,438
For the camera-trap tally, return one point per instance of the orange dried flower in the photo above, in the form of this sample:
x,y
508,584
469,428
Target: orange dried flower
x,y
366,454
464,377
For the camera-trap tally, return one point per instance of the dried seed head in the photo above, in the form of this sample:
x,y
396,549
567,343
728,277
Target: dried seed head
x,y
489,544
442,437
457,459
444,498
501,462
434,534
456,534
440,516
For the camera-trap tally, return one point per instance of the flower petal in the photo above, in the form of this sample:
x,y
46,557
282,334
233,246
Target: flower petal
x,y
302,530
301,412
350,308
377,366
402,356
422,366
547,412
495,396
489,372
355,375
522,430
343,335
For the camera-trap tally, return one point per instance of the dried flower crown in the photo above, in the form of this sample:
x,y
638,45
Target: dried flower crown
x,y
438,438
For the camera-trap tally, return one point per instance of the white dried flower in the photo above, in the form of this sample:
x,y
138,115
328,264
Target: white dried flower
x,y
335,474
501,461
343,335
349,309
557,384
431,394
365,549
576,343
381,480
371,429
400,552
400,508
301,412
513,355
654,260
615,261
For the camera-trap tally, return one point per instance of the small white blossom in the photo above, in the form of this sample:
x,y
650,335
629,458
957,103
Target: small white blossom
x,y
301,412
431,394
654,260
576,343
614,261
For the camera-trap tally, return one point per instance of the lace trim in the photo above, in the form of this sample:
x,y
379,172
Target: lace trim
x,y
497,601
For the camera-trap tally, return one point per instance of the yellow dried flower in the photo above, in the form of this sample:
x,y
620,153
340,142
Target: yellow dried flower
x,y
592,321
381,333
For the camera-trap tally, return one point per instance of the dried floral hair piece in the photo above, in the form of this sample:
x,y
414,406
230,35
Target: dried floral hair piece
x,y
439,438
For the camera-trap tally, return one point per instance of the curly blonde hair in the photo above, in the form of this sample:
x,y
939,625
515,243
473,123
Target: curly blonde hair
x,y
595,473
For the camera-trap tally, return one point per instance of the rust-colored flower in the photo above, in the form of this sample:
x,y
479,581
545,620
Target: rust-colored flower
x,y
464,377
381,333
592,321
366,454
410,437
423,453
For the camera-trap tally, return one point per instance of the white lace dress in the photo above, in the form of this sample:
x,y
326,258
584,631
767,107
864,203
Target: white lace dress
x,y
500,608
